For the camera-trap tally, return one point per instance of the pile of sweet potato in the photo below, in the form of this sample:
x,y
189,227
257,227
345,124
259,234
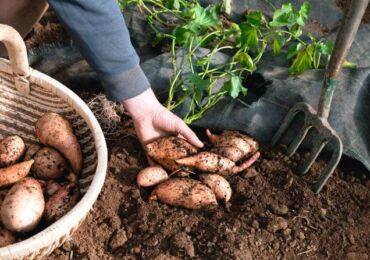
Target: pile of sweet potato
x,y
192,178
38,183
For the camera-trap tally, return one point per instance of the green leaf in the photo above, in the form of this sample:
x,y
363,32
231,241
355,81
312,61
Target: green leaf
x,y
326,48
234,87
246,60
183,35
279,42
198,83
195,86
202,18
248,36
296,30
303,61
303,13
255,18
122,4
293,49
285,16
173,4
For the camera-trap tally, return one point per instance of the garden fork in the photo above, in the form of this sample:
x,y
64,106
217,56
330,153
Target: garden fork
x,y
319,120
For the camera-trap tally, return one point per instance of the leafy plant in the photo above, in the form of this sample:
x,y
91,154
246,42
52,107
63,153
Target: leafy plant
x,y
190,26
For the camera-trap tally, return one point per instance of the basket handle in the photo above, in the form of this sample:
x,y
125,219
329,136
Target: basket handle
x,y
18,57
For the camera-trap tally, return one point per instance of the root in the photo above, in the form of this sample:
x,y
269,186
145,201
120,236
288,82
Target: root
x,y
109,115
246,164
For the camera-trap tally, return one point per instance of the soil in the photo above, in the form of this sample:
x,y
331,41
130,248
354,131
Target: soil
x,y
47,31
272,215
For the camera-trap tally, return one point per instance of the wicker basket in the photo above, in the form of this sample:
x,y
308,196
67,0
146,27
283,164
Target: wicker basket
x,y
25,95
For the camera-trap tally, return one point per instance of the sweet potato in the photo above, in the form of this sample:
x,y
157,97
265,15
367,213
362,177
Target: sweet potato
x,y
207,162
182,192
31,151
49,164
214,163
62,201
55,131
14,173
166,150
23,206
232,144
151,176
232,153
6,237
12,148
52,187
218,184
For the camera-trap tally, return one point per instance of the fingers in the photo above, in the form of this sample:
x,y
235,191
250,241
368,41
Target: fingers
x,y
188,134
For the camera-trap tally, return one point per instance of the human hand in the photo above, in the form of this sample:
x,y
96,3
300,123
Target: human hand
x,y
152,120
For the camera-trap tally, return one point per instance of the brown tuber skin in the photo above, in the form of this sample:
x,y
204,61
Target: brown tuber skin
x,y
12,148
31,151
214,163
62,201
218,184
23,206
183,192
14,173
52,187
49,164
151,176
232,144
6,237
166,150
55,131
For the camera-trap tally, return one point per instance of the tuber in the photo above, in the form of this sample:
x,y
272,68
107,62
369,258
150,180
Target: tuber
x,y
232,144
52,187
31,151
6,237
218,184
214,163
12,148
54,130
62,201
49,164
14,173
23,206
151,176
166,150
183,192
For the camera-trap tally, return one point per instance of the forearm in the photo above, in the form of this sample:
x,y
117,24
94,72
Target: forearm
x,y
99,30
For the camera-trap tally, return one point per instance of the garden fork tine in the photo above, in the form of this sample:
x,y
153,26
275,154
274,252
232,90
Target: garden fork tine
x,y
319,120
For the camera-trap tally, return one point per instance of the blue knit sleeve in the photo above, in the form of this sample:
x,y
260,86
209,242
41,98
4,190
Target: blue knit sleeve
x,y
100,32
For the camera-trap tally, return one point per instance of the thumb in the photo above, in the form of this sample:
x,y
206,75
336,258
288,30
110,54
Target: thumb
x,y
188,134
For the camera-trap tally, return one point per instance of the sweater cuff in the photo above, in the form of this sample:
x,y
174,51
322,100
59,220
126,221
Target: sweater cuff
x,y
125,85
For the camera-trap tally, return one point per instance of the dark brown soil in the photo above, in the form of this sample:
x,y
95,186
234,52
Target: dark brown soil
x,y
342,4
272,215
48,30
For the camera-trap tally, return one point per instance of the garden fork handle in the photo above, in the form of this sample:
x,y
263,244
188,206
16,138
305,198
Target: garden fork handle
x,y
343,42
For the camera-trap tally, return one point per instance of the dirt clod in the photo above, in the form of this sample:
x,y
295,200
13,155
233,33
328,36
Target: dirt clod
x,y
118,239
279,209
249,173
277,224
182,241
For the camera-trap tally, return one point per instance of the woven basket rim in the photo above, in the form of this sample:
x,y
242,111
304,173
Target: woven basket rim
x,y
52,235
